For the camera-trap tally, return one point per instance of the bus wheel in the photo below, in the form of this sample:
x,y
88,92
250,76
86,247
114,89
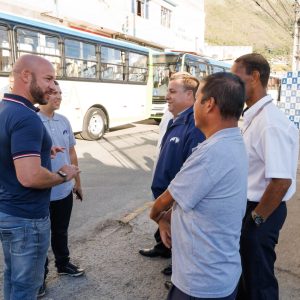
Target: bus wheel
x,y
94,124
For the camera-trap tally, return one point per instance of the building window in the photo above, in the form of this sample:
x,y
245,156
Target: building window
x,y
165,17
140,8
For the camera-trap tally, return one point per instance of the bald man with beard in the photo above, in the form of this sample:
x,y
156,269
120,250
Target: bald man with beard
x,y
26,179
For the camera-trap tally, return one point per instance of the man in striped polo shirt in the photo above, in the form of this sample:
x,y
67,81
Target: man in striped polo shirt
x,y
26,179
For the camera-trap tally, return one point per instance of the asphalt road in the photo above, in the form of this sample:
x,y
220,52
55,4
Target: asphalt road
x,y
116,175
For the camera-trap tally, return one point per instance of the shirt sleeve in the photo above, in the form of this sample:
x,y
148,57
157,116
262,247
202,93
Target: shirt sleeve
x,y
26,138
277,146
185,188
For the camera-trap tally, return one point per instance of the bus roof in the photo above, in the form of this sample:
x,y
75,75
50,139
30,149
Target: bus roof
x,y
69,31
206,59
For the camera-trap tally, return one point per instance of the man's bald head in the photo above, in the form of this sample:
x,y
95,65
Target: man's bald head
x,y
30,62
33,78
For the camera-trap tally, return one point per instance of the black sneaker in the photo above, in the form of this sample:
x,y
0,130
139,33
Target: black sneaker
x,y
168,270
168,284
70,269
42,290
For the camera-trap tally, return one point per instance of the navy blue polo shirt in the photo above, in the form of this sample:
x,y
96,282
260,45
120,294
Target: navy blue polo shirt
x,y
22,134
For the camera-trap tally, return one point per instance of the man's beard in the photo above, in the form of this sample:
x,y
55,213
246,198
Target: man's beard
x,y
36,92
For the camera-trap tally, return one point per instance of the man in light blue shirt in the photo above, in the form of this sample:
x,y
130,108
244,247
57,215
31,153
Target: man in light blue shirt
x,y
61,203
208,198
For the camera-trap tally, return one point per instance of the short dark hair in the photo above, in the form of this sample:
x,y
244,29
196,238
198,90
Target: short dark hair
x,y
256,62
229,93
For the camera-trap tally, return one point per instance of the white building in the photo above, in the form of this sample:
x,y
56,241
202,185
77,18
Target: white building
x,y
172,24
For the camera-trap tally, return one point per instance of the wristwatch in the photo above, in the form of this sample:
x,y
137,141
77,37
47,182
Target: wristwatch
x,y
258,220
63,175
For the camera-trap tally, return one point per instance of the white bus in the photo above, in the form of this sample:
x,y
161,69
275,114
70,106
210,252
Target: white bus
x,y
105,82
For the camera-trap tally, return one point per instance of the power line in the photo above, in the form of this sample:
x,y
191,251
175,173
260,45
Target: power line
x,y
284,8
272,7
272,17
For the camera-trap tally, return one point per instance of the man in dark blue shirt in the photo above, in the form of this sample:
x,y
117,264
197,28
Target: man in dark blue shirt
x,y
180,138
26,179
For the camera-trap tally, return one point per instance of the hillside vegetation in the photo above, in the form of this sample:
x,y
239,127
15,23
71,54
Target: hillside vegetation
x,y
243,22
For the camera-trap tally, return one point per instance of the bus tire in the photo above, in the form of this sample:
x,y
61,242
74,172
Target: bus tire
x,y
94,124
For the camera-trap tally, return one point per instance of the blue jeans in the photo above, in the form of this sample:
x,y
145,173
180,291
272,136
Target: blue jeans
x,y
25,243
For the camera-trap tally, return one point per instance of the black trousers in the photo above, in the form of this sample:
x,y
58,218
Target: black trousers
x,y
159,243
177,294
257,248
60,214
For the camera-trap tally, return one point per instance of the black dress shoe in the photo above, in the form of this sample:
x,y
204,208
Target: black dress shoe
x,y
168,270
154,252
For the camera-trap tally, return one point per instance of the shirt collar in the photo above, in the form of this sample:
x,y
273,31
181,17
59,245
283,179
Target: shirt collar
x,y
46,118
221,134
20,100
224,133
252,111
183,114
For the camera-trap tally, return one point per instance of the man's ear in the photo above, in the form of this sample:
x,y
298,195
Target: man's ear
x,y
210,104
26,76
191,94
255,77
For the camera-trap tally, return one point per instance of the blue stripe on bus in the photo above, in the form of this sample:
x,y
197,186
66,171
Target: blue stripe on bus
x,y
72,32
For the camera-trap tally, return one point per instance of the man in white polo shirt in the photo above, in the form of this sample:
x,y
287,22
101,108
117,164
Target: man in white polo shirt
x,y
272,143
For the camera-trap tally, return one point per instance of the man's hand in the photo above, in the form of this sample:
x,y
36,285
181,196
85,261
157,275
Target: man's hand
x,y
165,231
161,204
78,192
70,170
55,150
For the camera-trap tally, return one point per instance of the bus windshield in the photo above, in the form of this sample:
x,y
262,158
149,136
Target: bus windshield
x,y
164,65
161,75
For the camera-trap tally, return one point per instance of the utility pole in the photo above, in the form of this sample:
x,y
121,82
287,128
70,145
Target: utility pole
x,y
296,45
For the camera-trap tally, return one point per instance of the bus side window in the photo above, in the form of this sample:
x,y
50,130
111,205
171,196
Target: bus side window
x,y
71,68
197,69
216,69
5,51
202,70
39,43
138,69
80,59
112,64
